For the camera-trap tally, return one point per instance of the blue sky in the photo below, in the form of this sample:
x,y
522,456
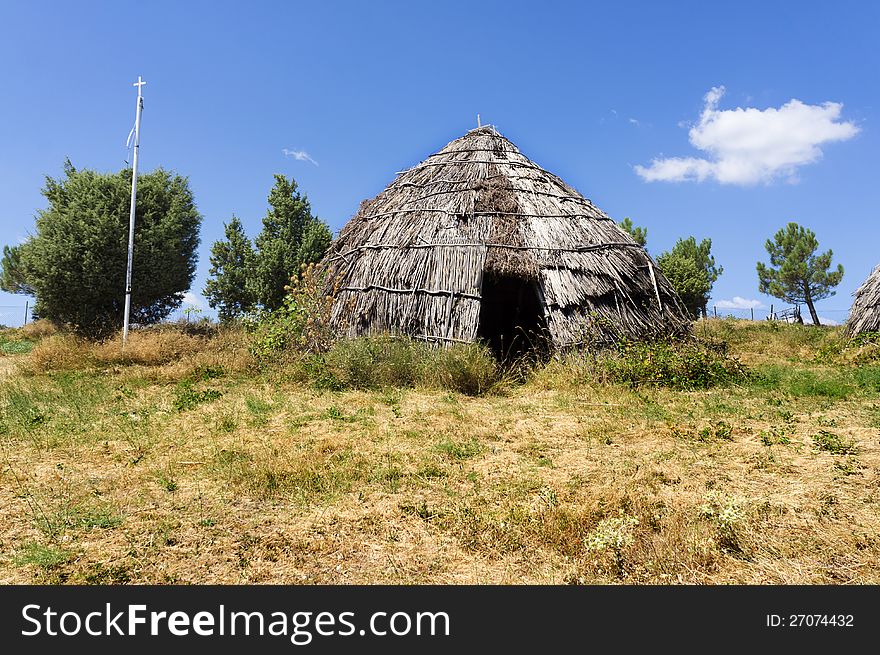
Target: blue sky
x,y
719,120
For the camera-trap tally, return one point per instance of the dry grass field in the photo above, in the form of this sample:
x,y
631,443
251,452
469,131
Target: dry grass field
x,y
185,462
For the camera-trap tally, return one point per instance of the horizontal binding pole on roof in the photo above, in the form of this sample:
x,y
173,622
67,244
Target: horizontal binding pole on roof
x,y
489,213
515,164
430,292
506,246
510,189
422,185
450,152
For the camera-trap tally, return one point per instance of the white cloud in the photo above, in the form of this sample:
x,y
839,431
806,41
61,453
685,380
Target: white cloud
x,y
827,321
748,145
299,155
634,121
192,300
739,302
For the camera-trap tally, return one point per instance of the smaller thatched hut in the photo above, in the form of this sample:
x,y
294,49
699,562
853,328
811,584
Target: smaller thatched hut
x,y
865,313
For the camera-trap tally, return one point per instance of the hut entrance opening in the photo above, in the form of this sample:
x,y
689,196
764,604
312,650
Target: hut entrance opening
x,y
511,315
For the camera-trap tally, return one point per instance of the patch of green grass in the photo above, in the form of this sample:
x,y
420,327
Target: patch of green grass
x,y
315,476
651,409
874,416
41,556
805,383
186,397
774,436
167,481
868,378
676,364
99,573
388,473
720,430
421,510
834,443
257,406
227,423
209,372
801,383
430,470
101,518
848,467
459,450
336,413
16,346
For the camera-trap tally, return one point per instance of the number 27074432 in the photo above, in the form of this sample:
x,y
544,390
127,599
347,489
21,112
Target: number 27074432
x,y
810,620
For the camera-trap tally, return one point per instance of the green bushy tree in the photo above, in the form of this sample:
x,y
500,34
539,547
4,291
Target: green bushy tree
x,y
74,264
796,273
691,270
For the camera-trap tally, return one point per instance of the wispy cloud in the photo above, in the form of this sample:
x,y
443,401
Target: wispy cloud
x,y
634,121
299,155
738,302
748,146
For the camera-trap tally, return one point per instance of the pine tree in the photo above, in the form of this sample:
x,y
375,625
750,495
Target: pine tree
x,y
291,237
639,234
796,273
229,289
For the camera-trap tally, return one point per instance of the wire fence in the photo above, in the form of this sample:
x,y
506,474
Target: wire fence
x,y
778,313
15,315
18,315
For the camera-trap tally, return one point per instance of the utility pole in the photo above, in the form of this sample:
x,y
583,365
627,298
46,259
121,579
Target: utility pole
x,y
134,186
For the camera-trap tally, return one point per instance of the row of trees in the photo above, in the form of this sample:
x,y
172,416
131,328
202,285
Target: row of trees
x,y
245,276
74,263
797,273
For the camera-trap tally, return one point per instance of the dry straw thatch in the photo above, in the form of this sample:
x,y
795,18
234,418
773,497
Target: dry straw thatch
x,y
477,239
864,316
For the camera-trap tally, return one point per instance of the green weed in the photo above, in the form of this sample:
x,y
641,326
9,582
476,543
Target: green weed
x,y
834,443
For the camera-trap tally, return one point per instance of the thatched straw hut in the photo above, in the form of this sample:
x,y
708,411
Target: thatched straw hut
x,y
864,316
478,242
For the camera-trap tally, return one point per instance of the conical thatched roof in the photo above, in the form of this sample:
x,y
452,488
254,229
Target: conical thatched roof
x,y
475,238
864,316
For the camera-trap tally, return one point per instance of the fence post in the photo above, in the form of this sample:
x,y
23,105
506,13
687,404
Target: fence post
x,y
715,309
753,312
26,303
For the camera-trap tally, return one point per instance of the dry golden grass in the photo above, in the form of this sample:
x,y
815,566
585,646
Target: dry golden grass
x,y
118,473
38,329
170,353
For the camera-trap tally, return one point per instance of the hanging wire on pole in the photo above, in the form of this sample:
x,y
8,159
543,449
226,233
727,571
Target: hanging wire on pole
x,y
134,178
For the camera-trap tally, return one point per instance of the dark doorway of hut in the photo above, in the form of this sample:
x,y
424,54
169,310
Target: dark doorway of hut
x,y
511,316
